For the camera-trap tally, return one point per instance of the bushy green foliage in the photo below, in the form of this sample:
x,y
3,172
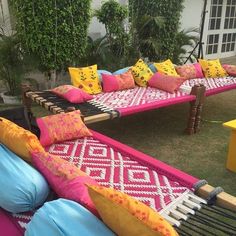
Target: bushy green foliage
x,y
186,40
170,11
56,31
11,62
112,14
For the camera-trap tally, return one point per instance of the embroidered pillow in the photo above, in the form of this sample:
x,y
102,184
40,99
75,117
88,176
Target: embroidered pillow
x,y
61,127
118,82
65,218
18,140
230,69
127,216
190,71
141,73
72,94
86,78
166,67
212,68
165,82
65,178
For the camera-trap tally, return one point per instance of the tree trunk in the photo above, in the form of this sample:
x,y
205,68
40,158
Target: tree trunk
x,y
53,78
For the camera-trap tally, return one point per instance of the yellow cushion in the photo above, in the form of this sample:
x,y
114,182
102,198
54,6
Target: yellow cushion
x,y
141,73
86,78
18,140
166,67
127,216
212,68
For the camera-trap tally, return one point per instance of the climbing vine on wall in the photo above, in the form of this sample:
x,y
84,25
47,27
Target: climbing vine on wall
x,y
56,31
170,11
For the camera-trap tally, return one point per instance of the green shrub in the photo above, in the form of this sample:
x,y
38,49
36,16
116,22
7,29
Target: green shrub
x,y
55,31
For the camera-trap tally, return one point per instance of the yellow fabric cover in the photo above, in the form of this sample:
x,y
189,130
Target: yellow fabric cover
x,y
18,140
141,73
166,67
86,78
212,68
127,216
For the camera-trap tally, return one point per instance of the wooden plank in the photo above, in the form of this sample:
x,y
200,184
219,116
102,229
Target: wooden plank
x,y
97,118
224,199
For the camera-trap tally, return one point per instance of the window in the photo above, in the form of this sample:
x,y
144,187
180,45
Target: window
x,y
228,42
230,15
215,14
212,43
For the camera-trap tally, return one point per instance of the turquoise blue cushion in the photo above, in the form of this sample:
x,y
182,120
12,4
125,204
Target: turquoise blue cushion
x,y
65,218
153,68
100,72
22,188
121,71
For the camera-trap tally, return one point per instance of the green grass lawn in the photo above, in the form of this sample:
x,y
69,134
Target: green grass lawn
x,y
159,133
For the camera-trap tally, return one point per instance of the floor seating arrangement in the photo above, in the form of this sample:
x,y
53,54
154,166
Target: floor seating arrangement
x,y
190,205
117,95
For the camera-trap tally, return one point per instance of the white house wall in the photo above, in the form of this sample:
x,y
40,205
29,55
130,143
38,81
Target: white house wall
x,y
96,29
5,16
191,15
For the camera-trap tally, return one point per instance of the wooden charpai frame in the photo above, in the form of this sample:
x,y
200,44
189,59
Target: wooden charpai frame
x,y
193,124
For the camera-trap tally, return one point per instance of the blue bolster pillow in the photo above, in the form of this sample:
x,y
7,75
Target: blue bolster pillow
x,y
22,188
121,71
100,72
65,218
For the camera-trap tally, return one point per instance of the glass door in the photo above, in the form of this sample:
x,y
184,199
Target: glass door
x,y
220,35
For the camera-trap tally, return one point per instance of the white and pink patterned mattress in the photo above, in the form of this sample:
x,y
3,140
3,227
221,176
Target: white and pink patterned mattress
x,y
141,96
111,168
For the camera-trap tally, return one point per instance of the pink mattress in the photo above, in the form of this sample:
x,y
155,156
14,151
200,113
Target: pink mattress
x,y
121,167
214,86
141,99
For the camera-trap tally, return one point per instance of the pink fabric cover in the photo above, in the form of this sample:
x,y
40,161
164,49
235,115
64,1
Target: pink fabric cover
x,y
72,94
144,159
230,69
214,85
199,72
7,225
118,82
155,105
123,170
61,127
65,178
166,82
113,164
190,71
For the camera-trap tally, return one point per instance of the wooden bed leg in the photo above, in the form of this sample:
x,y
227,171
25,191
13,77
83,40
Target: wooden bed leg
x,y
201,100
193,110
27,102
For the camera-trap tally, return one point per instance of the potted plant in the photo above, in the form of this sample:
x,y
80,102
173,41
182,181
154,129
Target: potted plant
x,y
12,67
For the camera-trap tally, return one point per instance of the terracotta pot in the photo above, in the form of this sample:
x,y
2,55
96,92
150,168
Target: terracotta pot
x,y
7,99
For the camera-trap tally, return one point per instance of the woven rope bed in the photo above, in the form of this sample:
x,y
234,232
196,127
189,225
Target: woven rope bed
x,y
182,199
122,103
